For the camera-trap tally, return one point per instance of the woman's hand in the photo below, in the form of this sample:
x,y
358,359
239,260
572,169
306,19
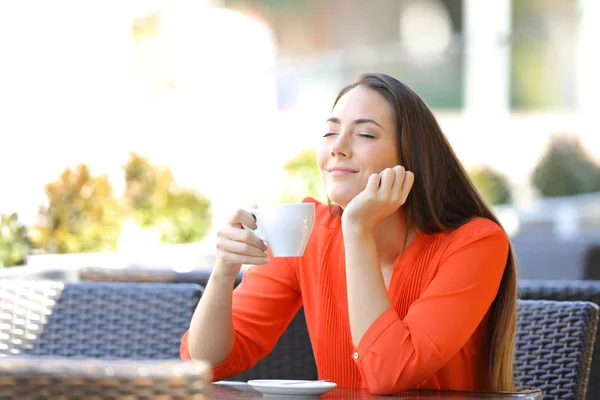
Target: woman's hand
x,y
384,194
237,246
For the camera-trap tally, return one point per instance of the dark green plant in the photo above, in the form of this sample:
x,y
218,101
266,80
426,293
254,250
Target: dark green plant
x,y
492,185
14,243
81,214
566,169
151,195
303,178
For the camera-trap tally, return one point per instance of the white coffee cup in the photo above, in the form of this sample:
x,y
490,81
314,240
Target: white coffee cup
x,y
285,227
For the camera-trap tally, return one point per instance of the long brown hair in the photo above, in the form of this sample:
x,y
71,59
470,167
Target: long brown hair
x,y
443,198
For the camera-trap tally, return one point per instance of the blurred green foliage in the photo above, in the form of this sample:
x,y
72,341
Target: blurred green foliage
x,y
303,178
532,86
82,214
152,196
14,243
147,189
187,217
492,185
566,169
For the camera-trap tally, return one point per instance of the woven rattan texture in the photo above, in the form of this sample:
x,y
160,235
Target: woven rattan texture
x,y
570,291
291,358
95,319
27,377
554,346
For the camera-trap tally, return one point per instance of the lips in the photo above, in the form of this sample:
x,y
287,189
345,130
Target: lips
x,y
340,171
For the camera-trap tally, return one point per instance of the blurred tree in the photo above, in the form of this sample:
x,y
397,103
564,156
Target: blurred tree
x,y
151,195
14,243
82,215
543,54
532,83
147,189
492,186
566,169
303,178
187,217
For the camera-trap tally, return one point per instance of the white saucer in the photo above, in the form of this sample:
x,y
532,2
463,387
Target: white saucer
x,y
286,387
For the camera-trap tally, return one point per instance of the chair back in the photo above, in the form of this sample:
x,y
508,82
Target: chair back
x,y
291,358
554,345
570,291
108,320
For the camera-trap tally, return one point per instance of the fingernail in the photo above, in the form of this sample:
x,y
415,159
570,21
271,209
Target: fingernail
x,y
266,259
265,255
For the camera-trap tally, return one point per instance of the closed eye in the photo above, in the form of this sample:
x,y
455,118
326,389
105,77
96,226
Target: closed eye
x,y
329,134
366,136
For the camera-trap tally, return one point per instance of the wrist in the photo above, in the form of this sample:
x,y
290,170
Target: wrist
x,y
222,276
354,227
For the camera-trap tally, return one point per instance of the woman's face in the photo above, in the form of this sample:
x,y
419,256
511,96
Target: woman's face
x,y
359,140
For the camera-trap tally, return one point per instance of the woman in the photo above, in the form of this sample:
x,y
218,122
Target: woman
x,y
408,281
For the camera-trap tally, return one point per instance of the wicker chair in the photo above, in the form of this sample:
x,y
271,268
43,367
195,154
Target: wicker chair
x,y
554,346
291,358
67,378
569,291
94,319
139,274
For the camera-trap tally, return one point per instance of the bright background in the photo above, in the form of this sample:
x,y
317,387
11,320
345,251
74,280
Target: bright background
x,y
225,93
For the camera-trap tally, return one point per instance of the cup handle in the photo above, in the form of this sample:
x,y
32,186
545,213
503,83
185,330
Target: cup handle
x,y
256,231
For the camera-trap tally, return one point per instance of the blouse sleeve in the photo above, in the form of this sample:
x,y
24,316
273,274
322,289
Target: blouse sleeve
x,y
263,305
396,354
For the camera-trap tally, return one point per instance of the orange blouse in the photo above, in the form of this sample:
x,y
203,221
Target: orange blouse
x,y
435,334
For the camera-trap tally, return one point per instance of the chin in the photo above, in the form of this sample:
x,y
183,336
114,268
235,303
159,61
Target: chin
x,y
341,199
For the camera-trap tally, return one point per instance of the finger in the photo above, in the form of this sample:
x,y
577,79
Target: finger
x,y
388,176
409,179
233,258
400,173
241,235
373,183
242,217
241,248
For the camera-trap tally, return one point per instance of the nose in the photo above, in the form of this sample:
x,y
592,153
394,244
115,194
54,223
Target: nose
x,y
341,146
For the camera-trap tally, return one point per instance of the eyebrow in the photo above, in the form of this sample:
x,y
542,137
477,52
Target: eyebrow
x,y
355,122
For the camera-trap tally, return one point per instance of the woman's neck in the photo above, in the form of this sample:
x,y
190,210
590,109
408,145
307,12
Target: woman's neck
x,y
392,236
